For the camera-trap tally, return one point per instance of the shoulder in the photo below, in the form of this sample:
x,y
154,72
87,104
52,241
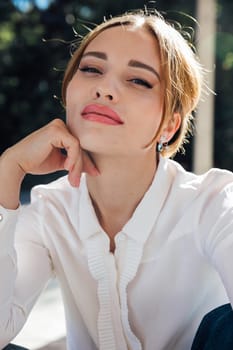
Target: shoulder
x,y
57,203
56,199
59,191
212,181
199,197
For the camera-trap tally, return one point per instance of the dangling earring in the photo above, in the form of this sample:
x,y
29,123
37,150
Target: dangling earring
x,y
161,144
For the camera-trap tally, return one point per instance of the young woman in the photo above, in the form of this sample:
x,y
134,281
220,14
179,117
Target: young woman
x,y
142,249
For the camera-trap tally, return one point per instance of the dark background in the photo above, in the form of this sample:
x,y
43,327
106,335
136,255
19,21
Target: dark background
x,y
35,47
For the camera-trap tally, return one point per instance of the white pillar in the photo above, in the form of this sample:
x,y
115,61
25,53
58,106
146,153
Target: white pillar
x,y
204,134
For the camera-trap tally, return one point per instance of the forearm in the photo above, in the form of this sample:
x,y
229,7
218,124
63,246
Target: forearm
x,y
25,268
8,274
11,177
12,315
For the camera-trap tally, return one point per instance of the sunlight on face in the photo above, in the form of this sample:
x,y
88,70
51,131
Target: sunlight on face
x,y
120,70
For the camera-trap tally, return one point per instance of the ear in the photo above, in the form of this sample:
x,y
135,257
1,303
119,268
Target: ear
x,y
171,127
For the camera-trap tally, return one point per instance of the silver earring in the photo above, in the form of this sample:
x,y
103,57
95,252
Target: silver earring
x,y
161,144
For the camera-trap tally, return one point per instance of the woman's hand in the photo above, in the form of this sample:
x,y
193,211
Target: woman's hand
x,y
40,153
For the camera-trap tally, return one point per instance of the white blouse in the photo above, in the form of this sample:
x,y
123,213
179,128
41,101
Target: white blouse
x,y
171,262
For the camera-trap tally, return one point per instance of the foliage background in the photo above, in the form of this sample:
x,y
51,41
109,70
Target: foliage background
x,y
31,69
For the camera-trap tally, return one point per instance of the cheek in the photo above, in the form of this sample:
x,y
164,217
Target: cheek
x,y
73,98
152,123
74,91
152,114
72,116
70,93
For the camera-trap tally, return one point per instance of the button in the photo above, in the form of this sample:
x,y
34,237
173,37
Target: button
x,y
1,217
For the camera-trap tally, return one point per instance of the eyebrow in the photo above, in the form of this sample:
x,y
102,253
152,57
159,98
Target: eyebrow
x,y
138,64
132,63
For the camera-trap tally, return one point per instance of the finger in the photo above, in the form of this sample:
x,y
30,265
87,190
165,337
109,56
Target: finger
x,y
61,138
72,148
89,165
75,173
77,160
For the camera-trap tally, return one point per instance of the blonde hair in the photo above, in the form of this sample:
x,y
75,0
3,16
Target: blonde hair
x,y
181,70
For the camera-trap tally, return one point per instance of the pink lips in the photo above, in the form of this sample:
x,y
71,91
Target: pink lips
x,y
101,114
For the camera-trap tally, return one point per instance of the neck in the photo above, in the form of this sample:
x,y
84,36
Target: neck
x,y
119,188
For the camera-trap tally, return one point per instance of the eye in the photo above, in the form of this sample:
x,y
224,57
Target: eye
x,y
142,82
89,69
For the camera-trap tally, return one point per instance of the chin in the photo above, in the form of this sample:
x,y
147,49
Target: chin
x,y
96,143
91,145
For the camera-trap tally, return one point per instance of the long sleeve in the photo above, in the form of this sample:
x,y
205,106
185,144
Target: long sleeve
x,y
217,236
25,267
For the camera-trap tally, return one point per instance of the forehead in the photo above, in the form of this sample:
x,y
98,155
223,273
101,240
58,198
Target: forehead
x,y
126,40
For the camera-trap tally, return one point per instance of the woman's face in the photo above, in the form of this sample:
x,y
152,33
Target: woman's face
x,y
115,98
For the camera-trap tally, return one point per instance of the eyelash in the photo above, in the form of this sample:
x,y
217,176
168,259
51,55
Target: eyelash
x,y
142,82
89,69
137,81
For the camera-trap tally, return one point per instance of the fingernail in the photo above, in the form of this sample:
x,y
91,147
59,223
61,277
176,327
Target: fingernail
x,y
77,182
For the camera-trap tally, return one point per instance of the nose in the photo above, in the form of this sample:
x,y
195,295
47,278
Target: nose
x,y
100,93
105,92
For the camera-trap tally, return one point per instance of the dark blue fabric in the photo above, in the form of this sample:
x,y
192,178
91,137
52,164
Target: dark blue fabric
x,y
216,330
14,347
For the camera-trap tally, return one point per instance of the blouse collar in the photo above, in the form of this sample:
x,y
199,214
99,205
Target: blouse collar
x,y
140,225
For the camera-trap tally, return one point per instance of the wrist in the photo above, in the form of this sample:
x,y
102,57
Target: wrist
x,y
10,167
11,177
